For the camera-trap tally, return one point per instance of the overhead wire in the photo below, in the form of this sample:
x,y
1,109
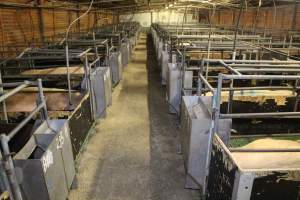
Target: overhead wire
x,y
67,49
275,12
256,17
184,18
236,29
210,16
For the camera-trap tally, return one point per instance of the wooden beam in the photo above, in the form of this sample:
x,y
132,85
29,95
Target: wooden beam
x,y
20,27
95,19
294,16
41,19
2,32
265,20
31,26
255,19
53,22
88,27
58,7
78,15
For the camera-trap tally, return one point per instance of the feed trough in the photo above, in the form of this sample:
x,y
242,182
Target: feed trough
x,y
255,165
42,162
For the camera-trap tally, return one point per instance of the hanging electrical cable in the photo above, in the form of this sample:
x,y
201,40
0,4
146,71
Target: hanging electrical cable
x,y
210,16
67,49
275,13
177,23
237,26
256,17
170,13
184,19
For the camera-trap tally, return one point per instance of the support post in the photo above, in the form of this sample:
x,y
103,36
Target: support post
x,y
294,16
41,19
78,14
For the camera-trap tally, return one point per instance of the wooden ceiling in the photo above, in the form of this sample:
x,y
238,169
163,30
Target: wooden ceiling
x,y
146,5
131,6
125,5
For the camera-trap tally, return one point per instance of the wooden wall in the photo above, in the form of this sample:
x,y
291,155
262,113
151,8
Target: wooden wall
x,y
287,17
21,27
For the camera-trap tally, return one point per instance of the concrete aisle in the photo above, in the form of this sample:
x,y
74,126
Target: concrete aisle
x,y
132,155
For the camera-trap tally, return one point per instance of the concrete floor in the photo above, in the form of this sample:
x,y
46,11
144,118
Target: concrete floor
x,y
132,154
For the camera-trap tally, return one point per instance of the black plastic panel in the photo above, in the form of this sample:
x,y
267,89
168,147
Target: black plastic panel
x,y
80,124
276,186
221,174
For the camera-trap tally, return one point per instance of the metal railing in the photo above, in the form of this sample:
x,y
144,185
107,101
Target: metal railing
x,y
12,182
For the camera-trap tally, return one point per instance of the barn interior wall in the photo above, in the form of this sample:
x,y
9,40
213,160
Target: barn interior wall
x,y
165,16
276,18
28,26
281,18
22,26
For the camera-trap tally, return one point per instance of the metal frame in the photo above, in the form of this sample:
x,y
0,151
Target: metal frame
x,y
8,164
31,55
216,115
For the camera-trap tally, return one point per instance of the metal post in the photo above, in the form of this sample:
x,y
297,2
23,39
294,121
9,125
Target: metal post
x,y
41,98
297,96
230,97
4,183
217,103
236,30
183,69
95,45
199,91
290,45
214,123
89,85
3,102
68,73
107,54
67,50
208,52
9,168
